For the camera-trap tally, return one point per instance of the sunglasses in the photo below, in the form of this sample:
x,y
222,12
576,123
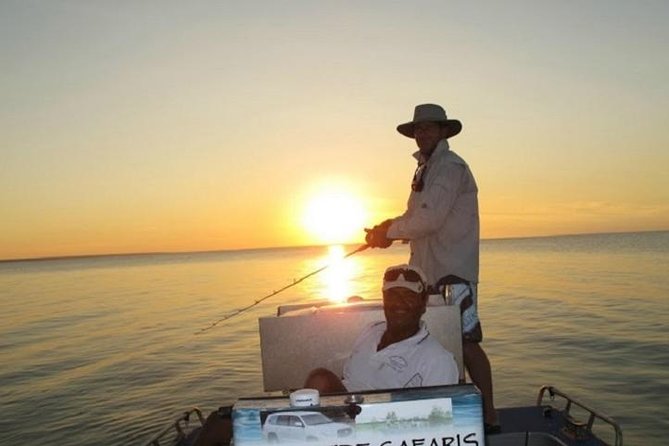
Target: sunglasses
x,y
409,275
418,182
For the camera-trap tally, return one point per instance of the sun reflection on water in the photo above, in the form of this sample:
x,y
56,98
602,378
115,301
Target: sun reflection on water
x,y
336,280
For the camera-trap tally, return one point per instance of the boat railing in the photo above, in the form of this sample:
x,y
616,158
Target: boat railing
x,y
573,427
178,428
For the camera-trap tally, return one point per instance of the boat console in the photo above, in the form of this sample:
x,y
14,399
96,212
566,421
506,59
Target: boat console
x,y
439,416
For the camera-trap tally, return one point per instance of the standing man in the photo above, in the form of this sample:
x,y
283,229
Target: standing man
x,y
442,225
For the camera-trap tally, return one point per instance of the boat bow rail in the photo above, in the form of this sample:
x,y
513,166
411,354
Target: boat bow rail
x,y
552,422
180,431
573,428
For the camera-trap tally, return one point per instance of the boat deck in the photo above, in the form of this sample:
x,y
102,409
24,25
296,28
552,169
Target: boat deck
x,y
549,425
537,426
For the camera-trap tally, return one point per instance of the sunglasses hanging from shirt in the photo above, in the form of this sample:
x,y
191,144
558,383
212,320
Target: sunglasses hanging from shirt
x,y
418,182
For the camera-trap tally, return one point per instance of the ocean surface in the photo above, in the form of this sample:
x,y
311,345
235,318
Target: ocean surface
x,y
108,350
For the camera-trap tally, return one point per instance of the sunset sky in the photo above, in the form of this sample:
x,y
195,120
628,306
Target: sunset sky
x,y
143,126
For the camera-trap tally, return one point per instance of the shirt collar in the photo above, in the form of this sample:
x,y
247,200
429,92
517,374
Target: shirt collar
x,y
442,147
416,339
422,332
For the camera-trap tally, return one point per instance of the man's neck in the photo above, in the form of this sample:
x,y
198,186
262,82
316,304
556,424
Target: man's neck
x,y
392,337
425,155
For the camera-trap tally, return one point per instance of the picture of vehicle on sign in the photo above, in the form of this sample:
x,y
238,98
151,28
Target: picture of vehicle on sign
x,y
286,427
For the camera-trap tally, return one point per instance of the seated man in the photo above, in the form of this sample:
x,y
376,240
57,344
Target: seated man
x,y
395,353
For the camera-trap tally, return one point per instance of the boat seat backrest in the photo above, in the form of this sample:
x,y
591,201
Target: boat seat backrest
x,y
297,342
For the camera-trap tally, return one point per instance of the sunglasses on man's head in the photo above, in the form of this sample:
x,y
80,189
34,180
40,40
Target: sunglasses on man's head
x,y
409,275
418,182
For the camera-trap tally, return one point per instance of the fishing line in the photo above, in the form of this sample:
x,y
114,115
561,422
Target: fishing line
x,y
274,293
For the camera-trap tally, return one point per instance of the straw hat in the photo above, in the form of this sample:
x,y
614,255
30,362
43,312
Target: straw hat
x,y
430,113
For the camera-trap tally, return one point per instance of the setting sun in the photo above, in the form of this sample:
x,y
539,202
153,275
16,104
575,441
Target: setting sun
x,y
334,215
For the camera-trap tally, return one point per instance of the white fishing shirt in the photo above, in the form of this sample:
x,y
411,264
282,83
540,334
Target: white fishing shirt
x,y
417,361
442,221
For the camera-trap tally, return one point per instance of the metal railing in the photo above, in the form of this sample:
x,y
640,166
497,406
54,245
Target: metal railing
x,y
178,427
573,427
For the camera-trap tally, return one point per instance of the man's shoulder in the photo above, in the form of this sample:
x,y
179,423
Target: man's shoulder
x,y
375,325
371,329
447,162
450,157
431,346
450,167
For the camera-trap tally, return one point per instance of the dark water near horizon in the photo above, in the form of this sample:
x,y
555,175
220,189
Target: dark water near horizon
x,y
103,350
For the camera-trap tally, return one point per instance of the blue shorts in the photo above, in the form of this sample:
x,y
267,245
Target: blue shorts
x,y
465,296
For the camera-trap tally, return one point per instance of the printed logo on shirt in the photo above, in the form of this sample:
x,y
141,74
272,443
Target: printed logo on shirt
x,y
415,381
397,363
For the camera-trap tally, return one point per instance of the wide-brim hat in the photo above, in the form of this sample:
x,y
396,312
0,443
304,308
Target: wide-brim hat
x,y
430,113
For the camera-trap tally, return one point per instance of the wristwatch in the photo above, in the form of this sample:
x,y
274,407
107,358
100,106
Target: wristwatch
x,y
225,412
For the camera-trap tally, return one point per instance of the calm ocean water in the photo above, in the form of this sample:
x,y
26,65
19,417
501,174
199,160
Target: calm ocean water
x,y
103,350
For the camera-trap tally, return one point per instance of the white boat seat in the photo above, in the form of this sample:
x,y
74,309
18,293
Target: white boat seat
x,y
301,339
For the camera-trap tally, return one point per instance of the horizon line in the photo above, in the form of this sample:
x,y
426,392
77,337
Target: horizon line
x,y
213,251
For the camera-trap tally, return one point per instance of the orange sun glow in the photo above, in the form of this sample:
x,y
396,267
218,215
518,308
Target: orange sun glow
x,y
334,216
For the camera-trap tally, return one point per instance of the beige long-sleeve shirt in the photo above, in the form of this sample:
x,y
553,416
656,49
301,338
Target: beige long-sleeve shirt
x,y
442,221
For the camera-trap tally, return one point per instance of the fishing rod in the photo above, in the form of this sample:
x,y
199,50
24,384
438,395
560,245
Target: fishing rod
x,y
274,293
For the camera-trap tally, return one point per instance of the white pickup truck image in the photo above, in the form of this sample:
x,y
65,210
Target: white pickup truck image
x,y
288,427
